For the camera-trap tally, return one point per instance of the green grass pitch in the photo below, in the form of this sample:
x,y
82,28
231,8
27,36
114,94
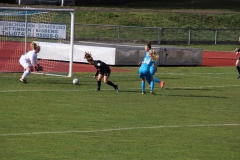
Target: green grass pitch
x,y
195,116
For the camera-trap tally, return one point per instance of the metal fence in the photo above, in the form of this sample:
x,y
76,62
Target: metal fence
x,y
136,34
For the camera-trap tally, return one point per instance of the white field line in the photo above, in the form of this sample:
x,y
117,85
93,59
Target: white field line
x,y
204,87
157,73
207,75
120,129
82,90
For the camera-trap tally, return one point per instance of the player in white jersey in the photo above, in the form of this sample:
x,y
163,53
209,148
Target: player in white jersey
x,y
29,61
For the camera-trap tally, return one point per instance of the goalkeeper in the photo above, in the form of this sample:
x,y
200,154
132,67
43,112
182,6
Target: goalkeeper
x,y
29,61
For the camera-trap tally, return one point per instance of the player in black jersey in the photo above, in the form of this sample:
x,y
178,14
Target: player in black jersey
x,y
237,51
103,71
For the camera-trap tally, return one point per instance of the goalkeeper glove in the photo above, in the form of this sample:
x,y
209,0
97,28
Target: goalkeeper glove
x,y
36,68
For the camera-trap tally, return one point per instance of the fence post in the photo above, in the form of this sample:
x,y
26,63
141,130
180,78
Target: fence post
x,y
216,36
118,34
159,35
189,36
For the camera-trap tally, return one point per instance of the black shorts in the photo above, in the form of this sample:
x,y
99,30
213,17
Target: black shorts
x,y
104,73
239,58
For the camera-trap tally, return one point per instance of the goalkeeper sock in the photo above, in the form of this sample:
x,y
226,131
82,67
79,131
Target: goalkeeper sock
x,y
99,84
111,84
238,68
25,73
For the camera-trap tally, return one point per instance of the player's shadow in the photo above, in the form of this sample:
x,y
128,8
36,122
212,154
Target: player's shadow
x,y
147,92
130,91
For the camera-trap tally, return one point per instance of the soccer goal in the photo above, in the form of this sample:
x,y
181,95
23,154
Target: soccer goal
x,y
52,29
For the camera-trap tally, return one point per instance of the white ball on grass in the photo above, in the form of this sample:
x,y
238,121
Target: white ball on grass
x,y
75,81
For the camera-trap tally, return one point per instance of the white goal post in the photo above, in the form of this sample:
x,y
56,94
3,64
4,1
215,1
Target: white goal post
x,y
52,27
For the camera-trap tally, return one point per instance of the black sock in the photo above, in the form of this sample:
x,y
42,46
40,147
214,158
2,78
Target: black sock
x,y
111,84
99,84
238,68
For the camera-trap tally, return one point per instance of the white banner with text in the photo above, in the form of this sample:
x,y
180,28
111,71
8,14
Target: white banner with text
x,y
37,30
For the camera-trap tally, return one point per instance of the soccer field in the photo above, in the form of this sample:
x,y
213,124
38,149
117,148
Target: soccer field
x,y
195,116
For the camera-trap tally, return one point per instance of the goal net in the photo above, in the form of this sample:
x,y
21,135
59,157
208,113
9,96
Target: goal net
x,y
51,29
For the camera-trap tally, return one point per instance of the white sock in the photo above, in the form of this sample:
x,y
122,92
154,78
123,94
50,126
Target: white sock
x,y
27,72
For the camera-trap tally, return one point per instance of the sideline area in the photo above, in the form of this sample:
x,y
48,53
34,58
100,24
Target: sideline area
x,y
215,58
210,58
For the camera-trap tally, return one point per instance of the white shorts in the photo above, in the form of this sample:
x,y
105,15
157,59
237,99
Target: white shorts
x,y
24,63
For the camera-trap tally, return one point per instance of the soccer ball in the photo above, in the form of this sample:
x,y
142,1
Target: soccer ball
x,y
75,81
